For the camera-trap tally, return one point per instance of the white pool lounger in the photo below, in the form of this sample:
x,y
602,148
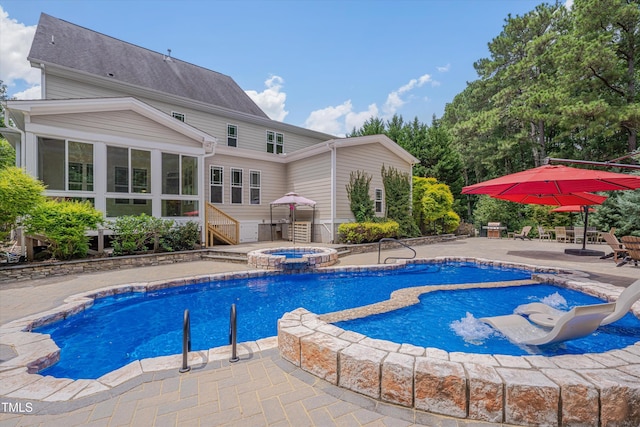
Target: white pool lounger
x,y
575,323
627,298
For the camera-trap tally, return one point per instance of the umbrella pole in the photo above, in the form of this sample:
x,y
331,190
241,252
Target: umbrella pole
x,y
584,251
586,222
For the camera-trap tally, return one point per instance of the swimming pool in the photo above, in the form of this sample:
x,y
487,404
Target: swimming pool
x,y
449,320
131,326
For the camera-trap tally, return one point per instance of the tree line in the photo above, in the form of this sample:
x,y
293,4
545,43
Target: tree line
x,y
558,83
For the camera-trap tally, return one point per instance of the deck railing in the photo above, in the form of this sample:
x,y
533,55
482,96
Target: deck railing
x,y
221,226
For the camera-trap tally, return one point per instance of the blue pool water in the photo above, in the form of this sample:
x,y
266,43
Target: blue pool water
x,y
123,328
449,320
291,253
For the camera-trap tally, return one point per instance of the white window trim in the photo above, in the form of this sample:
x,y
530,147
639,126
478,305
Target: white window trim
x,y
232,186
252,187
211,167
381,200
229,136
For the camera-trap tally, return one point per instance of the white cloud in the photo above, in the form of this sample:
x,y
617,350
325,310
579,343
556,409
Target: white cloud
x,y
341,119
395,101
271,100
568,4
31,93
356,120
14,47
329,120
444,69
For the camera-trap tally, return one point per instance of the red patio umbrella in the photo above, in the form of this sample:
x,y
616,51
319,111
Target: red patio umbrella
x,y
575,199
571,208
555,179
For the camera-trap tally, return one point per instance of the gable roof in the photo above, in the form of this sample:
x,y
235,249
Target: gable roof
x,y
70,46
381,139
40,107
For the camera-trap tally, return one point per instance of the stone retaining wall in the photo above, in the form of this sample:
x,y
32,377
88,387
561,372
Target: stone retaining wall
x,y
589,390
41,270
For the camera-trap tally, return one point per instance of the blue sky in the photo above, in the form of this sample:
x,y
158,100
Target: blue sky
x,y
321,64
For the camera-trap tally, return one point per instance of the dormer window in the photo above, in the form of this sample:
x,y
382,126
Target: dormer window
x,y
232,135
179,116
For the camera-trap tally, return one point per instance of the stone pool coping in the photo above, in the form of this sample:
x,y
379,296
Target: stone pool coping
x,y
318,257
34,351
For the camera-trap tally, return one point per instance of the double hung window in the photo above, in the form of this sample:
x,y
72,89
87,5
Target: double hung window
x,y
254,187
275,142
216,182
236,185
232,135
378,200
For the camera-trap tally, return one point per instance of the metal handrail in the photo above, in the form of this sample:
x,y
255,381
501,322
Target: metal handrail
x,y
390,239
186,342
233,334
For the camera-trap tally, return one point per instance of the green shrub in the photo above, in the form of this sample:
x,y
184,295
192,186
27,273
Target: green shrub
x,y
139,233
358,193
181,237
64,223
19,194
433,206
397,190
364,232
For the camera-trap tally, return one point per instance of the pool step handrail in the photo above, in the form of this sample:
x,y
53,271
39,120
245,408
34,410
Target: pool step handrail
x,y
233,334
390,239
186,342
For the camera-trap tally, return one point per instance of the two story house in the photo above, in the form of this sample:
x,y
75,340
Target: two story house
x,y
136,131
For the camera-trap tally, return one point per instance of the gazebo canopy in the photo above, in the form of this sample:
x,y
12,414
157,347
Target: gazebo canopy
x,y
293,199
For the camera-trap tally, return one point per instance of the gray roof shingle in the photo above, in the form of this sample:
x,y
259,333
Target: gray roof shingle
x,y
85,50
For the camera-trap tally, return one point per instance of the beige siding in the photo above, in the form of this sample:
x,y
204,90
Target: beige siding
x,y
126,124
367,157
272,186
62,88
250,135
311,178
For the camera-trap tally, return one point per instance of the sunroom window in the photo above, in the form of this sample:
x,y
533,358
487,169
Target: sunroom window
x,y
65,165
179,174
128,170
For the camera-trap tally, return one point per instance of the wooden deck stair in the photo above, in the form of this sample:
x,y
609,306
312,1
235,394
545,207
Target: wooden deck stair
x,y
221,226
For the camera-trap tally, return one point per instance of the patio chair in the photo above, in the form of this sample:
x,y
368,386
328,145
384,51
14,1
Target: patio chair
x,y
575,323
632,246
619,252
548,316
578,234
522,234
542,235
561,234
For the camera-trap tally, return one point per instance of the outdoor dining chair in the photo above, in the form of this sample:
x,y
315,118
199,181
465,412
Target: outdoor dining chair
x,y
542,234
561,234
